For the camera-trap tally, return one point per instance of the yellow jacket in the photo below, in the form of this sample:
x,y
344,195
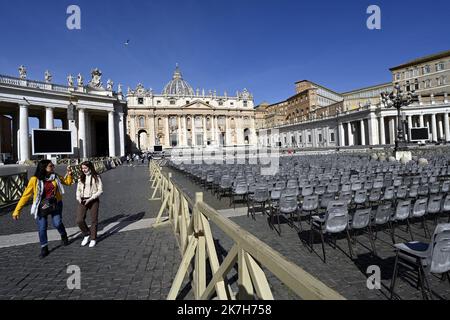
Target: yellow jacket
x,y
32,190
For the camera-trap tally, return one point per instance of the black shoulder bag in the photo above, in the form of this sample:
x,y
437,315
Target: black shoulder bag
x,y
48,205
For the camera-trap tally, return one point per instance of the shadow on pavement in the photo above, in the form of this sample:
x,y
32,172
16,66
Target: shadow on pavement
x,y
123,223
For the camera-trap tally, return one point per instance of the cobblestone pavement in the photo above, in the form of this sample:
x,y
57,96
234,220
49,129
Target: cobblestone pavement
x,y
139,264
129,265
345,275
125,196
142,263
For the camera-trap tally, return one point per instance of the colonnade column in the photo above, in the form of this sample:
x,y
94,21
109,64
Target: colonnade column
x,y
382,131
433,127
363,133
49,118
373,130
350,134
121,134
82,132
23,135
446,127
112,135
392,131
341,135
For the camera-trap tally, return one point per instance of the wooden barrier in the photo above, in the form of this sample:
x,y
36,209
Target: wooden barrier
x,y
196,243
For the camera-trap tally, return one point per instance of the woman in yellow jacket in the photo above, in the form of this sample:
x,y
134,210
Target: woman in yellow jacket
x,y
46,188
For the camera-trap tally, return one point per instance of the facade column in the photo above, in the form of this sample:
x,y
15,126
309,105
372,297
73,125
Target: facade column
x,y
350,134
227,132
166,132
215,130
446,127
382,131
433,127
193,131
131,130
111,133
363,133
180,135
239,130
122,134
23,135
82,133
253,138
205,131
341,135
185,132
151,133
49,119
421,121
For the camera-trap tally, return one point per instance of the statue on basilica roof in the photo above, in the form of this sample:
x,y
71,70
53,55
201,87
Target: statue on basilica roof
x,y
96,81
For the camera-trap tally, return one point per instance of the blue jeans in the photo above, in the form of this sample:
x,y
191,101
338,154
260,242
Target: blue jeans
x,y
57,223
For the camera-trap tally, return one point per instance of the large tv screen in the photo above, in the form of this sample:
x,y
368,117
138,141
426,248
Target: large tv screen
x,y
158,149
419,134
52,142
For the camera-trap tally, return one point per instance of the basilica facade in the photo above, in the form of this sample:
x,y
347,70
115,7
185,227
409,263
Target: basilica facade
x,y
180,117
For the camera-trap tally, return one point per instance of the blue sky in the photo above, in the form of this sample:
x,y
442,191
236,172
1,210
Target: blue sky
x,y
263,45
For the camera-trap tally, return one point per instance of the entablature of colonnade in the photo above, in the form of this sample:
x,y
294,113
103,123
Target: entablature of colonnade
x,y
330,121
35,93
414,110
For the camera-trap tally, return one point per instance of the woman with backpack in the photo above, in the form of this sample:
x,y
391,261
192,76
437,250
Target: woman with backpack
x,y
46,188
89,189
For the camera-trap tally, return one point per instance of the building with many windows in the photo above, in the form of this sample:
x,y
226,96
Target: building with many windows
x,y
359,117
427,76
180,117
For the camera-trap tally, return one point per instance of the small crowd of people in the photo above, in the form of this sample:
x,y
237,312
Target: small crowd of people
x,y
46,189
139,158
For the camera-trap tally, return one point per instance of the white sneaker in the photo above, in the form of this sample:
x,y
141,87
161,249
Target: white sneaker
x,y
92,243
85,241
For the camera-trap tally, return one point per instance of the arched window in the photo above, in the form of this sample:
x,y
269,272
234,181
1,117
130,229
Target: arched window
x,y
141,122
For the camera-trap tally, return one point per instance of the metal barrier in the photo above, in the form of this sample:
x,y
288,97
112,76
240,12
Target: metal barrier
x,y
196,243
12,188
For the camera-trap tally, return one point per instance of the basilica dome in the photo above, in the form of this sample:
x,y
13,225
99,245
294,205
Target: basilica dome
x,y
177,86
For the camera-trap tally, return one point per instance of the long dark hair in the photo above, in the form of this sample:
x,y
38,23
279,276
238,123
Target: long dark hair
x,y
94,173
41,170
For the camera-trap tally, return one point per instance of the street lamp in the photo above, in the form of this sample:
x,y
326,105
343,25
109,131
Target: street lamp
x,y
398,99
